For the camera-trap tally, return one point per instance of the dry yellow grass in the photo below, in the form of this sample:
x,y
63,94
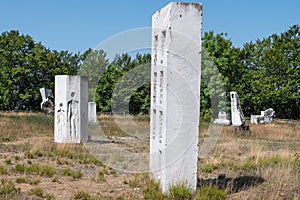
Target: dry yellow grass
x,y
261,164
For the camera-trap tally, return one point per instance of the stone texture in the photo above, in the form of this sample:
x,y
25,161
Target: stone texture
x,y
71,109
92,110
47,105
265,116
175,94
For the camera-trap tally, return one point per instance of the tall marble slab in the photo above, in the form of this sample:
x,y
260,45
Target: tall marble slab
x,y
175,94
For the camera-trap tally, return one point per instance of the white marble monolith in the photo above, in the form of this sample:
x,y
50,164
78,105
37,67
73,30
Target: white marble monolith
x,y
175,94
71,109
92,110
237,116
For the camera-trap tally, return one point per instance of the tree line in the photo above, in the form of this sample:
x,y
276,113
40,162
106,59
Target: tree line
x,y
265,73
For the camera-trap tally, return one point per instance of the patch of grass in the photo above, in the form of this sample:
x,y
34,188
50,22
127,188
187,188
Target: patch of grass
x,y
21,180
33,169
74,174
29,155
47,171
135,182
180,192
17,158
152,190
296,163
20,168
36,169
81,195
37,192
3,170
8,190
210,193
208,168
62,161
8,161
77,174
114,173
253,162
55,179
49,197
34,181
100,177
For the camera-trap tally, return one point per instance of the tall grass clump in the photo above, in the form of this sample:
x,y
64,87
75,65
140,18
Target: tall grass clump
x,y
8,190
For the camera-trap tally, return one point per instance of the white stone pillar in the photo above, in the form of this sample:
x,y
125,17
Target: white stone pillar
x,y
237,116
175,94
92,110
71,109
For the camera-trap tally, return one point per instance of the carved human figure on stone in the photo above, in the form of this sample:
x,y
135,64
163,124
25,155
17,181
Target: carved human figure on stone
x,y
73,116
60,119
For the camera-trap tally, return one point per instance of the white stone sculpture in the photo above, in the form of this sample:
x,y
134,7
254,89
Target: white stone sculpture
x,y
237,116
223,118
175,94
92,110
71,110
47,105
264,117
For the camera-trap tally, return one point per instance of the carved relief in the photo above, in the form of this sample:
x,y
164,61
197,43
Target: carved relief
x,y
154,124
154,87
161,86
61,119
160,126
73,116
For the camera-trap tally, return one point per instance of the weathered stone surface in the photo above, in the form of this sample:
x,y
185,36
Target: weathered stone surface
x,y
47,105
71,109
264,117
175,94
92,110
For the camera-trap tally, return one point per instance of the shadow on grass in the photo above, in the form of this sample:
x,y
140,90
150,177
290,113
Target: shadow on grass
x,y
233,185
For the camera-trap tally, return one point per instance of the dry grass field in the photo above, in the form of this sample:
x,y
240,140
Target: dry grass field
x,y
261,164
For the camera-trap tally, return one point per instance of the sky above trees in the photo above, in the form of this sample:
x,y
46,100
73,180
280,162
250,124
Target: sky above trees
x,y
79,25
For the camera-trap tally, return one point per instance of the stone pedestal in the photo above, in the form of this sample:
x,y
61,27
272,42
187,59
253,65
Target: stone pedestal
x,y
71,109
92,110
175,94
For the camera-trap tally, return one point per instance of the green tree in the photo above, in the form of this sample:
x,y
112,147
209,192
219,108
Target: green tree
x,y
221,71
273,70
93,65
106,86
125,85
27,66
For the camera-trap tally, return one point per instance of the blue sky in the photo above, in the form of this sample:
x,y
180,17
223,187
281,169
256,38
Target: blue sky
x,y
76,25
